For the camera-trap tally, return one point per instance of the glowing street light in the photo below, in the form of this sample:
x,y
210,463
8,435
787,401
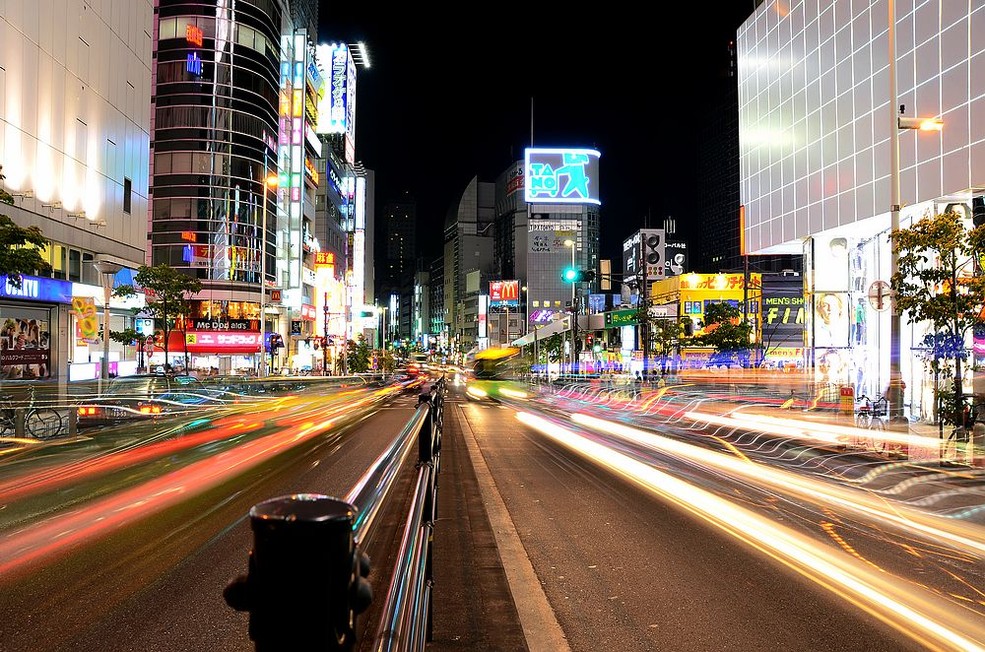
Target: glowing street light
x,y
270,181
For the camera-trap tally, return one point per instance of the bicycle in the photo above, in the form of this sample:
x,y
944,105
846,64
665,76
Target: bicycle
x,y
39,422
870,415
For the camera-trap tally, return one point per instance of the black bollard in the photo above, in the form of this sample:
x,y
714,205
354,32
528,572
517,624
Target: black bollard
x,y
306,578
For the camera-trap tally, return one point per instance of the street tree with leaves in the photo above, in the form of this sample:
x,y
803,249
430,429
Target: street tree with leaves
x,y
665,334
937,282
357,355
167,296
727,333
20,247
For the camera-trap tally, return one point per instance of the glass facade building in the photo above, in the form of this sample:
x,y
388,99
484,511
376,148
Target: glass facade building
x,y
815,126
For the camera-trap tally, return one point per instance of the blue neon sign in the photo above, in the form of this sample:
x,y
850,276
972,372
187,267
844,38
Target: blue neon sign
x,y
33,288
562,176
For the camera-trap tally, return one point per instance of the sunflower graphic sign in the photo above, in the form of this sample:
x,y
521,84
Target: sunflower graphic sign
x,y
86,320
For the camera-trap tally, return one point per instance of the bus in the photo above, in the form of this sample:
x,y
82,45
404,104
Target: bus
x,y
496,373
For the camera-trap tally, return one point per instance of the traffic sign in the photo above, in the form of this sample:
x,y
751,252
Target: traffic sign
x,y
880,295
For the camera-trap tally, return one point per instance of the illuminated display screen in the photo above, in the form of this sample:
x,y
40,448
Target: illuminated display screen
x,y
562,176
333,107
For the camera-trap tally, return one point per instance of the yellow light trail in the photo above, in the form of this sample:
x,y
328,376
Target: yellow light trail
x,y
916,612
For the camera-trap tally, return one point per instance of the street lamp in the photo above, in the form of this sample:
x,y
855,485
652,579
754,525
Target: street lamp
x,y
383,330
270,181
574,312
107,270
899,122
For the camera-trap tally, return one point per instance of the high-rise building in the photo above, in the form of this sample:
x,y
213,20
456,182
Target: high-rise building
x,y
718,246
531,247
468,249
400,221
233,176
817,172
436,303
75,89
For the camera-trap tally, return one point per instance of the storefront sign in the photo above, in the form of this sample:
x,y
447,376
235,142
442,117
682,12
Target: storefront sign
x,y
25,347
236,325
504,293
87,323
37,289
308,312
215,342
783,311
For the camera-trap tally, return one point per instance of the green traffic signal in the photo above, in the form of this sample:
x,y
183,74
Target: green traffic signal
x,y
576,275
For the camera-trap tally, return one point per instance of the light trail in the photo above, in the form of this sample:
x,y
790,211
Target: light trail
x,y
914,611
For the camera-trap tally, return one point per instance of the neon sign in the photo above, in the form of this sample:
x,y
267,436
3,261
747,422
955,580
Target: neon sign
x,y
193,64
193,35
562,176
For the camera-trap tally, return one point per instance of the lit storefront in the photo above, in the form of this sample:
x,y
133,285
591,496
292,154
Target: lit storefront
x,y
31,319
217,337
689,295
85,317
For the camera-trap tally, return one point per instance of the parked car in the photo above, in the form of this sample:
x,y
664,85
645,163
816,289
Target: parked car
x,y
144,396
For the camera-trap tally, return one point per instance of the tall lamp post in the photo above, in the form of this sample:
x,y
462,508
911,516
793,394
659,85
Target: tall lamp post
x,y
899,122
107,270
269,181
574,312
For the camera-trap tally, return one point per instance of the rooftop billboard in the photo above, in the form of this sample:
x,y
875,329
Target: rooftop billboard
x,y
561,176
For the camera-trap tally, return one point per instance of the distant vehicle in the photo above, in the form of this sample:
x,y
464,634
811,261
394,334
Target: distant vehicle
x,y
417,363
495,374
144,396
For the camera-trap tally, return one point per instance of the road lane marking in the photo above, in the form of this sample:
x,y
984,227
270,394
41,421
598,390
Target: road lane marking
x,y
540,627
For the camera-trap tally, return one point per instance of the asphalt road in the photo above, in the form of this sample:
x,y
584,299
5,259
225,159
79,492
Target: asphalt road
x,y
624,570
535,547
157,583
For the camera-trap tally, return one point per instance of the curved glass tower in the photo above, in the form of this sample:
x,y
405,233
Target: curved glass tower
x,y
215,125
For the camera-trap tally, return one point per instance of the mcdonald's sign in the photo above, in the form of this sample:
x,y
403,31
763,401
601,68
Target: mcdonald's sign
x,y
504,293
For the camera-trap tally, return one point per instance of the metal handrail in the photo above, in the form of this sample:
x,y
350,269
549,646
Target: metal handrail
x,y
369,493
306,546
406,621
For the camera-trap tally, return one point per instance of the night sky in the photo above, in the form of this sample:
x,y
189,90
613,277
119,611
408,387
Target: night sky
x,y
448,97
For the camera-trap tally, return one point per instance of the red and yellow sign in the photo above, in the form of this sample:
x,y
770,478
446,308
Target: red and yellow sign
x,y
324,259
86,320
501,292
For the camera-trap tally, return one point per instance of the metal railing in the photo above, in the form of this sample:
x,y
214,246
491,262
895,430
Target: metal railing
x,y
306,581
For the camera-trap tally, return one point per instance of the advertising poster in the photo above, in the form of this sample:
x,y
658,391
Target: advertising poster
x,y
86,320
831,319
25,348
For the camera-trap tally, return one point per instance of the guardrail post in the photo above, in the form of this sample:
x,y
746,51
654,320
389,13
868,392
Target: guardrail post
x,y
19,425
73,422
425,440
306,580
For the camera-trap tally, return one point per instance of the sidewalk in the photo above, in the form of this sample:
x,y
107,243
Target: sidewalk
x,y
919,442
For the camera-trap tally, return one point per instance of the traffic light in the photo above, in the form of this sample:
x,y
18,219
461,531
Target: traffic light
x,y
576,275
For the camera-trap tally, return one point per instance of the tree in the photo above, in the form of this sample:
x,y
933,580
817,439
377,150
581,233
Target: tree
x,y
937,282
130,337
20,248
665,336
357,355
167,291
727,333
552,347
